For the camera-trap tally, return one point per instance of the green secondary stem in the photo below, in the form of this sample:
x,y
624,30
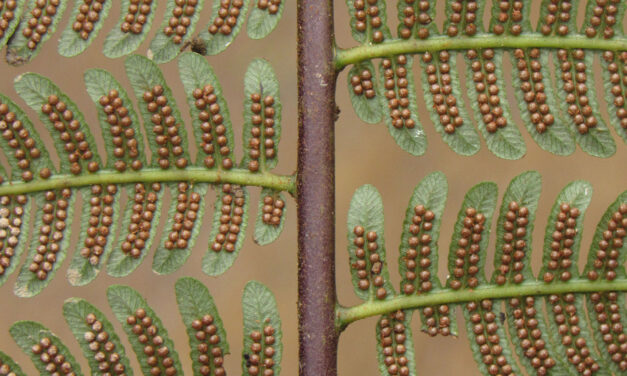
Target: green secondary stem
x,y
346,315
152,175
344,57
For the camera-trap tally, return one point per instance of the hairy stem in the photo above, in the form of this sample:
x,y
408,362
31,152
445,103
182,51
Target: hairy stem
x,y
344,57
346,315
150,175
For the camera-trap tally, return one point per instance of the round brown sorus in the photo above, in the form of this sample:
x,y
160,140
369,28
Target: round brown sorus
x,y
136,16
37,25
88,14
182,14
7,15
226,18
363,85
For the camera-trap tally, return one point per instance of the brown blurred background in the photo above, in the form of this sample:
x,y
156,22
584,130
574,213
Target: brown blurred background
x,y
365,154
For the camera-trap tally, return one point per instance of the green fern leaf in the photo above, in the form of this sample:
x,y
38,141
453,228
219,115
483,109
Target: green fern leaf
x,y
127,36
14,224
262,21
74,42
218,35
267,229
395,347
13,13
168,42
9,367
263,346
362,88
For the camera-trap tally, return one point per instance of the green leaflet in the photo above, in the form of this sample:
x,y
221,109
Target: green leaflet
x,y
489,312
571,22
35,90
198,310
36,164
430,26
18,51
616,28
119,43
218,260
17,214
524,190
556,139
607,222
262,324
597,141
71,43
162,48
609,96
482,198
28,284
144,75
525,22
506,142
575,195
13,23
84,269
169,260
30,335
386,332
464,21
7,365
368,110
266,233
261,79
261,22
100,83
218,42
412,140
89,325
127,304
429,195
365,217
366,35
196,73
464,140
121,263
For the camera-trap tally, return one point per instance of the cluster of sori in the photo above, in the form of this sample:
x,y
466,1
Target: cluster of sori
x,y
574,77
103,349
509,12
41,18
263,115
462,13
439,79
410,19
209,347
557,14
54,362
76,146
51,232
88,15
368,11
155,349
233,201
212,124
485,334
467,255
369,265
123,136
529,334
136,17
7,15
11,212
188,204
260,361
484,77
437,320
608,253
165,127
397,92
227,17
617,69
563,239
100,222
182,14
144,207
604,14
271,5
419,242
532,86
5,369
514,244
19,139
392,335
272,210
567,320
606,312
362,84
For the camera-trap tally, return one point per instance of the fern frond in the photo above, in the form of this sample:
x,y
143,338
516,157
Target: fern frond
x,y
121,237
555,119
558,321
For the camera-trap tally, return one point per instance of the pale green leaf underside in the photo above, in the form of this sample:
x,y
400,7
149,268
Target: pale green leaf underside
x,y
71,43
119,43
6,361
261,22
267,233
13,24
368,110
162,47
218,42
408,343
